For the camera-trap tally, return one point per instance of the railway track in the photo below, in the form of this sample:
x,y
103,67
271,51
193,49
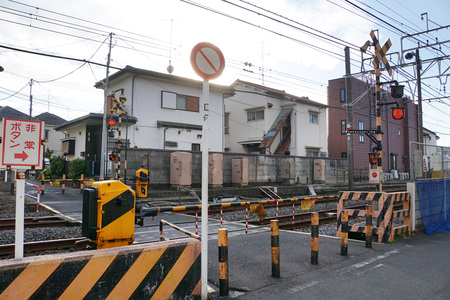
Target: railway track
x,y
38,222
74,243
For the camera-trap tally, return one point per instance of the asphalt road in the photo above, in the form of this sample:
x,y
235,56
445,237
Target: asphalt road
x,y
416,267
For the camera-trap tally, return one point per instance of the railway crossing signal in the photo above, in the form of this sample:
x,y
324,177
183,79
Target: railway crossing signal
x,y
398,112
373,158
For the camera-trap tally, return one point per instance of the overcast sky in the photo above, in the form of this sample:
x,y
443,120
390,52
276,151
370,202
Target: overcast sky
x,y
296,46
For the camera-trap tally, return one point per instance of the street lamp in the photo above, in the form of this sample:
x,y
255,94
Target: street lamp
x,y
410,55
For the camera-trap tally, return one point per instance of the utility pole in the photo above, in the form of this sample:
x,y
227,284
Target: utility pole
x,y
31,97
419,98
348,97
103,153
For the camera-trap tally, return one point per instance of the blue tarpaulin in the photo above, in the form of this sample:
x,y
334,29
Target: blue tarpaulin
x,y
434,203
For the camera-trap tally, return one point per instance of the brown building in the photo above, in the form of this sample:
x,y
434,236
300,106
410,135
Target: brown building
x,y
396,136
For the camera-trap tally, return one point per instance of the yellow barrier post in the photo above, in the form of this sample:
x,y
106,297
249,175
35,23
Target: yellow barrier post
x,y
82,183
368,226
314,238
63,183
275,243
344,233
223,262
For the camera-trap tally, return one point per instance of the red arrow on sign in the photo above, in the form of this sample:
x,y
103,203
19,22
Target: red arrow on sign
x,y
22,155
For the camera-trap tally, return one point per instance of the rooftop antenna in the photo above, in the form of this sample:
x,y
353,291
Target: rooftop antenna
x,y
170,67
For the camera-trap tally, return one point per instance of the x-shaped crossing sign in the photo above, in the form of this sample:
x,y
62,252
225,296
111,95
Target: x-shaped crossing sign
x,y
381,53
118,105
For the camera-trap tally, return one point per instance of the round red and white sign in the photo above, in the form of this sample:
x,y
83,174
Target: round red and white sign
x,y
207,60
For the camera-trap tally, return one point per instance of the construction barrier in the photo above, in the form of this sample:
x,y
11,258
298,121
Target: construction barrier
x,y
383,211
344,233
163,270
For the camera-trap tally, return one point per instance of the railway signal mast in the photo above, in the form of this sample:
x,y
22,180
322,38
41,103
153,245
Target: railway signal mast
x,y
396,92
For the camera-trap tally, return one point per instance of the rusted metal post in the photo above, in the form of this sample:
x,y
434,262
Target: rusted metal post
x,y
223,262
314,238
344,233
369,226
275,243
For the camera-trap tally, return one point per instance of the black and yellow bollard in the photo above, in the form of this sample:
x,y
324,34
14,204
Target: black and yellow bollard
x,y
275,243
42,184
63,183
223,261
161,224
369,226
314,238
344,232
81,183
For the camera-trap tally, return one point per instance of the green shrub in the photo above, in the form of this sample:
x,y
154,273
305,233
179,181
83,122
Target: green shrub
x,y
77,167
56,167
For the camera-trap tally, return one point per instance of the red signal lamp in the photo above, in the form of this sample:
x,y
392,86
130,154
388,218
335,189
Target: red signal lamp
x,y
398,113
111,122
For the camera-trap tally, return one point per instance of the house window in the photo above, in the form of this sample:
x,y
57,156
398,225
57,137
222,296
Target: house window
x,y
313,118
255,115
394,161
226,124
180,102
342,92
46,133
361,135
343,154
312,153
343,127
195,147
68,147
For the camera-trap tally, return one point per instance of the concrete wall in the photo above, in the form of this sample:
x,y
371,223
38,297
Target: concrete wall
x,y
263,169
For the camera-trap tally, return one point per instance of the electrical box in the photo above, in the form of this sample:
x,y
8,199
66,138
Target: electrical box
x,y
239,171
109,214
288,172
141,183
181,168
215,169
319,170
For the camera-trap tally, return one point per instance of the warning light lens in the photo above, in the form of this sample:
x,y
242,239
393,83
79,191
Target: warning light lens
x,y
111,122
398,113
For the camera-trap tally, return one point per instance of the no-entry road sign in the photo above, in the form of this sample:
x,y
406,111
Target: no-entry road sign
x,y
207,60
21,146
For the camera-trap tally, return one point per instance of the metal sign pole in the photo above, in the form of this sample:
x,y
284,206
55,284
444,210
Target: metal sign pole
x,y
204,247
20,213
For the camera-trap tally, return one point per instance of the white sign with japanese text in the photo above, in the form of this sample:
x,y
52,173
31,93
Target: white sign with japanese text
x,y
21,146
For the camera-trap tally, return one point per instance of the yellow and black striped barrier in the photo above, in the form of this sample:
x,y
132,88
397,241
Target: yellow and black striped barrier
x,y
223,262
155,210
315,238
275,244
163,270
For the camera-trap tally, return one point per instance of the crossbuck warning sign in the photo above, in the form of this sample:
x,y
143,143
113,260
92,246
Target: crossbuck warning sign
x,y
21,146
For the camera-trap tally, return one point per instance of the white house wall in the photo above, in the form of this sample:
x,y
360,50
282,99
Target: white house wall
x,y
54,140
79,134
303,135
145,105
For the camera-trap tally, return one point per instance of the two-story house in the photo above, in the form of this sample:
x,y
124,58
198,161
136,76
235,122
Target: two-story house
x,y
259,119
163,111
